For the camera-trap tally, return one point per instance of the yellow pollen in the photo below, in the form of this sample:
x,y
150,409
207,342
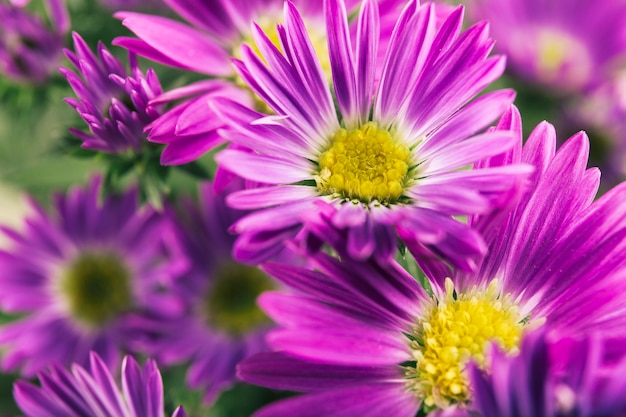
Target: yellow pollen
x,y
364,164
453,331
553,52
562,60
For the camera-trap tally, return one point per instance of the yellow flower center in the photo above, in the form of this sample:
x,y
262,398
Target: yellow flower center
x,y
96,287
230,303
561,59
453,331
364,164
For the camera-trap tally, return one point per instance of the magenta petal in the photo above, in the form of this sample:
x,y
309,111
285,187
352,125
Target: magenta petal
x,y
347,346
270,196
279,371
263,168
184,149
140,47
295,311
372,401
197,118
342,59
179,42
34,402
179,412
194,89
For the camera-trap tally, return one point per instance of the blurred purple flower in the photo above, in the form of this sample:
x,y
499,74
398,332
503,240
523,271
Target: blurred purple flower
x,y
566,45
115,105
74,276
602,110
94,392
220,323
30,50
366,339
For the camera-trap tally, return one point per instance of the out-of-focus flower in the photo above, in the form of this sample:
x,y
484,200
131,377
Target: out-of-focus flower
x,y
220,323
603,110
566,45
551,377
364,338
75,275
391,157
114,104
94,392
218,29
30,50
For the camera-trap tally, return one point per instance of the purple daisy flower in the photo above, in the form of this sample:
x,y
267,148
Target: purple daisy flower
x,y
551,378
219,323
218,29
567,45
114,104
75,275
93,391
364,338
30,50
394,159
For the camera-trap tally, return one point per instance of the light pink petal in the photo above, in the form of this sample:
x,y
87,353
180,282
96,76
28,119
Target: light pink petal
x,y
266,169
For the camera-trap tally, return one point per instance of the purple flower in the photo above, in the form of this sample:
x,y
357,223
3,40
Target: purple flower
x,y
567,45
603,109
29,50
363,338
219,323
75,275
94,392
114,104
218,29
552,377
393,161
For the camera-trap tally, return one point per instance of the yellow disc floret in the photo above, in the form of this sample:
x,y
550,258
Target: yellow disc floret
x,y
364,164
453,331
230,303
96,288
562,59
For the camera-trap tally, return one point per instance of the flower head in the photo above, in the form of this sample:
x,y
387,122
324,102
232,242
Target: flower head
x,y
392,155
75,275
566,45
361,337
94,392
115,105
219,323
30,50
207,46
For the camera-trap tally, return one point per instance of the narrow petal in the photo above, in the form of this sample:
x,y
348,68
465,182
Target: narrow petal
x,y
374,400
341,59
265,169
280,371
